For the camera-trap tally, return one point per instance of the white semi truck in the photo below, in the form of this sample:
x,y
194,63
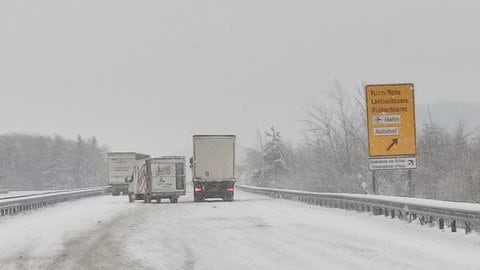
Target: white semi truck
x,y
213,166
121,167
165,179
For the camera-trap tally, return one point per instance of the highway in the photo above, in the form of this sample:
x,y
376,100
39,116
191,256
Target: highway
x,y
253,232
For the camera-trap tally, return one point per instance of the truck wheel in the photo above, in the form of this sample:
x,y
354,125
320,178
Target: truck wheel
x,y
228,198
197,198
147,199
174,200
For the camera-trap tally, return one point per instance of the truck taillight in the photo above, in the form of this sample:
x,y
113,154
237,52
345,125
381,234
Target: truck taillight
x,y
229,189
197,189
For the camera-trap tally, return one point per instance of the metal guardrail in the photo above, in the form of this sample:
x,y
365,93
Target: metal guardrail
x,y
453,215
12,206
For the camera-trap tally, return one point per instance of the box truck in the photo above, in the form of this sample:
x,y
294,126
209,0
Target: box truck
x,y
121,166
213,167
165,178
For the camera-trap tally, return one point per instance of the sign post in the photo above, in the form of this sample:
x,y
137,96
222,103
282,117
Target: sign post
x,y
391,127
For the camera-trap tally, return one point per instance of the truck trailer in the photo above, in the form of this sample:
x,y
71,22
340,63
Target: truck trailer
x,y
213,167
121,167
165,179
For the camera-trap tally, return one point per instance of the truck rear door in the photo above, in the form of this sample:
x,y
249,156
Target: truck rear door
x,y
120,166
163,177
214,158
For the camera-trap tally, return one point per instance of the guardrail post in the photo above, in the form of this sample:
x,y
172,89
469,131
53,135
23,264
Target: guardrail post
x,y
422,220
411,185
441,224
468,228
374,183
453,225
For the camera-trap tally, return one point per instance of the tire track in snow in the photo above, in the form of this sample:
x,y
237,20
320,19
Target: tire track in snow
x,y
100,248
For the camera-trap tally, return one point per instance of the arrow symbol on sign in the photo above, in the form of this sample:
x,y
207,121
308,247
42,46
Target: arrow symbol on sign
x,y
394,141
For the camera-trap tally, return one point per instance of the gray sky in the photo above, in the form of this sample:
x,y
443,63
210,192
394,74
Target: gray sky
x,y
146,75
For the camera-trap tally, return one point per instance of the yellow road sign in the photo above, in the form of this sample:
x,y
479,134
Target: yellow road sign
x,y
391,120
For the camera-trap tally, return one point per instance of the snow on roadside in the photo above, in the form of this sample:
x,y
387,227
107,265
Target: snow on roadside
x,y
41,233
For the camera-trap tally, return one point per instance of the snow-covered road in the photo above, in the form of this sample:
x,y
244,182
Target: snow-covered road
x,y
253,232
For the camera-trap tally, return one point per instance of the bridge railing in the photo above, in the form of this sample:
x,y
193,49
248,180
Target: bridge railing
x,y
15,205
432,212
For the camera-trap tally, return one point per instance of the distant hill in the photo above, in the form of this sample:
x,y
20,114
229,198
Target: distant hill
x,y
447,113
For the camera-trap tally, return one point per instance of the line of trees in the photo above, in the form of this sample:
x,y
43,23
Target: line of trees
x,y
42,162
333,155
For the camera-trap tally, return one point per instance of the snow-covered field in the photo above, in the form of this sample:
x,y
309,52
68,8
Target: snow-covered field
x,y
253,232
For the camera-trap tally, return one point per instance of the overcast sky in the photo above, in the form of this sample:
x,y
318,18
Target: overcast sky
x,y
146,75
